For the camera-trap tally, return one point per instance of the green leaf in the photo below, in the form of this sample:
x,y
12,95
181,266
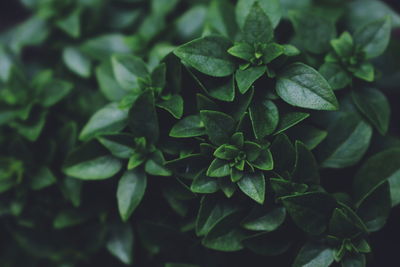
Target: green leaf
x,y
347,141
142,119
120,242
345,223
173,105
221,16
208,55
227,152
77,62
128,69
374,105
218,168
53,92
336,76
219,126
203,184
272,51
264,118
374,37
305,167
155,165
120,145
310,211
131,189
91,162
373,176
230,241
242,50
314,255
308,135
212,211
289,120
344,45
257,27
108,85
189,126
71,24
302,86
272,9
246,78
365,72
354,260
283,153
264,161
109,119
314,31
253,185
264,220
42,179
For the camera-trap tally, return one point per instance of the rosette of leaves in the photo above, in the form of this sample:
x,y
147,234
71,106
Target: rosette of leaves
x,y
297,84
350,55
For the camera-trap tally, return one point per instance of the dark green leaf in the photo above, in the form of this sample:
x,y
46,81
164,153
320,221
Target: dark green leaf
x,y
257,27
246,78
253,185
314,255
264,117
302,86
131,189
173,105
306,167
189,126
128,69
272,8
218,126
375,106
208,55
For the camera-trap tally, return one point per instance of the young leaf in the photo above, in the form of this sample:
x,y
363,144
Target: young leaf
x,y
208,55
336,76
218,168
253,185
374,105
374,37
109,119
302,86
204,184
173,105
131,189
77,62
120,145
219,126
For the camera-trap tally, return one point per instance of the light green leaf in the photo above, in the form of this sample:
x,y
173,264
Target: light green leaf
x,y
253,185
189,126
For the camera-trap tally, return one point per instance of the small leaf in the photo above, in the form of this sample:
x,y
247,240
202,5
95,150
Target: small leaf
x,y
128,69
253,185
365,72
208,55
262,220
219,126
120,145
246,78
374,37
173,105
204,184
77,62
375,106
226,152
336,76
218,168
131,189
283,153
264,161
109,119
243,51
302,86
189,126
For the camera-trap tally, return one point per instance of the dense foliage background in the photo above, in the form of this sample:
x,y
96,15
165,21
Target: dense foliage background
x,y
185,133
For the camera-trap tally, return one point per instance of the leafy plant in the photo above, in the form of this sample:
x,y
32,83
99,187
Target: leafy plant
x,y
178,133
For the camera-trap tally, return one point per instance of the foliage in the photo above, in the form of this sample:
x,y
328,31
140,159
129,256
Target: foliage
x,y
178,133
